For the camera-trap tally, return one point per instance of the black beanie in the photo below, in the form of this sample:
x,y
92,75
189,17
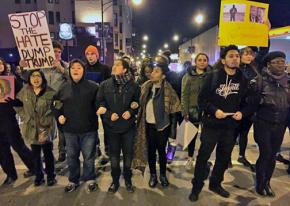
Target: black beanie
x,y
273,55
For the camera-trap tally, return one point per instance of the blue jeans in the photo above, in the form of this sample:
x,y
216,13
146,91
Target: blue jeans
x,y
86,144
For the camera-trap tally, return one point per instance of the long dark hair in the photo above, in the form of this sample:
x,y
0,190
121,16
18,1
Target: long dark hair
x,y
5,66
44,81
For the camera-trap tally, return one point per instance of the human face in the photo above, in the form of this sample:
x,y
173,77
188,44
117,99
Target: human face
x,y
157,75
148,72
118,68
232,59
8,68
18,70
91,57
2,67
36,79
76,72
247,57
277,66
57,53
201,62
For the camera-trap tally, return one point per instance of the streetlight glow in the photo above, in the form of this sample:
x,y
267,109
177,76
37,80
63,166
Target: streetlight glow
x,y
175,38
166,46
144,46
199,18
145,38
137,2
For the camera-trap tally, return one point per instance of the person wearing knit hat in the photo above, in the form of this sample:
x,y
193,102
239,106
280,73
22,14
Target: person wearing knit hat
x,y
97,72
272,103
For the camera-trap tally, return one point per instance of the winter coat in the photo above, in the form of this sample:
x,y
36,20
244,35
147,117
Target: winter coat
x,y
36,114
97,72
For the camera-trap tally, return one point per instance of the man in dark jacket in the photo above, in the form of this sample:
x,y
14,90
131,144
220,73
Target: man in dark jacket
x,y
98,73
220,99
118,98
75,109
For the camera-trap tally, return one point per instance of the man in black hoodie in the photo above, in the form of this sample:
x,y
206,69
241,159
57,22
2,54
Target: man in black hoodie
x,y
220,99
75,109
98,73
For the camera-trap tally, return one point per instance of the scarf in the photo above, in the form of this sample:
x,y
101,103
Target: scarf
x,y
123,78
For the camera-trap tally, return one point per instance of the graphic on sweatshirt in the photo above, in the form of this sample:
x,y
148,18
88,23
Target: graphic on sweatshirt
x,y
228,88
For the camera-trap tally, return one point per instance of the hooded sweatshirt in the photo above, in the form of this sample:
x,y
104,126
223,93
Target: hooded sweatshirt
x,y
224,92
77,103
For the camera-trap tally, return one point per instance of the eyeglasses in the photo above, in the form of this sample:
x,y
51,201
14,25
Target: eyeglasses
x,y
278,62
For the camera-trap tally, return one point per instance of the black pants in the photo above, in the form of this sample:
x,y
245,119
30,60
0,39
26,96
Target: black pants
x,y
121,142
269,137
242,134
47,149
191,146
224,139
10,137
61,142
106,139
157,140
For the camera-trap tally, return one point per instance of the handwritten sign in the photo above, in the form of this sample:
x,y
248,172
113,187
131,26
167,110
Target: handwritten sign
x,y
32,38
243,23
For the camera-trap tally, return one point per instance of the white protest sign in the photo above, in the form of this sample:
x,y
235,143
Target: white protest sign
x,y
185,133
32,38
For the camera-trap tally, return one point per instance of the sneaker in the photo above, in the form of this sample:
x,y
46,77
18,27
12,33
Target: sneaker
x,y
71,187
28,174
61,157
113,188
9,180
269,191
51,182
189,164
219,190
92,187
164,181
39,182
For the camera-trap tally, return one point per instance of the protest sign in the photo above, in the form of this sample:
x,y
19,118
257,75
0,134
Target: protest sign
x,y
185,133
6,87
32,39
243,23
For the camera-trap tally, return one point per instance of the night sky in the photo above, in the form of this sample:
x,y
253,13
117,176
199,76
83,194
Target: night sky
x,y
161,19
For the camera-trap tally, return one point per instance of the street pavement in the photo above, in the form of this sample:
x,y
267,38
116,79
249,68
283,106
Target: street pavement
x,y
239,181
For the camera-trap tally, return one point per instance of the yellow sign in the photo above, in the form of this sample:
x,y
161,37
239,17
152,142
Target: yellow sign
x,y
243,23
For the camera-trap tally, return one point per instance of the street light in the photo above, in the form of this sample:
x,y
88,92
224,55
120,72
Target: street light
x,y
199,19
145,38
137,2
166,46
144,46
175,38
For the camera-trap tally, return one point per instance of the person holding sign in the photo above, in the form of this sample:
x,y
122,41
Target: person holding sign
x,y
10,135
39,127
191,86
157,121
75,109
219,100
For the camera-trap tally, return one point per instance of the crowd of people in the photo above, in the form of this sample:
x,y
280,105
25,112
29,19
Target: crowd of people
x,y
140,115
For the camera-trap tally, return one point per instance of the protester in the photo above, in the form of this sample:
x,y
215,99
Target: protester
x,y
157,122
273,104
119,103
145,73
10,136
75,109
192,83
220,99
39,127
